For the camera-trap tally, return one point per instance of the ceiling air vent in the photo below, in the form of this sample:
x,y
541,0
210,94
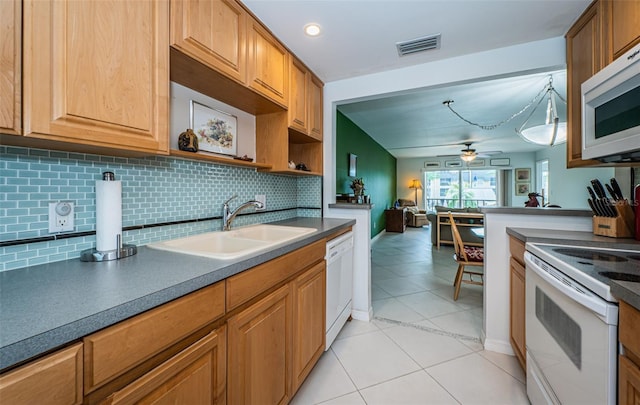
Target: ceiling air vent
x,y
418,45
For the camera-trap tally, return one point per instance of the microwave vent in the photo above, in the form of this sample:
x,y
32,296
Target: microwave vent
x,y
418,45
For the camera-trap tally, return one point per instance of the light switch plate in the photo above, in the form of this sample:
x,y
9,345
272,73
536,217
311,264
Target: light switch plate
x,y
61,216
263,199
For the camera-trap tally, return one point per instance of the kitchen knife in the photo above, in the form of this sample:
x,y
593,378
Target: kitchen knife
x,y
605,204
611,191
597,187
593,207
596,203
616,188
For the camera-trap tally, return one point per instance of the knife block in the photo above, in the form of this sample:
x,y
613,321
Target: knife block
x,y
622,226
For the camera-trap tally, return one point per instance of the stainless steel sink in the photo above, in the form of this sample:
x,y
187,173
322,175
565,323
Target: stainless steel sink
x,y
234,244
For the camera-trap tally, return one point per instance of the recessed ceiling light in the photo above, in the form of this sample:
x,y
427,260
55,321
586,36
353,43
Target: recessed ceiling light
x,y
312,29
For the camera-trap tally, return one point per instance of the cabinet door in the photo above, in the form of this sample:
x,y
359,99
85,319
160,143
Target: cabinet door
x,y
54,380
260,351
585,56
309,292
268,66
628,382
10,50
315,107
96,73
624,25
212,32
194,376
517,313
299,97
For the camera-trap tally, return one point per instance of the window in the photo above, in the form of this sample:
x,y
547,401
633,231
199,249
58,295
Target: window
x,y
542,179
460,188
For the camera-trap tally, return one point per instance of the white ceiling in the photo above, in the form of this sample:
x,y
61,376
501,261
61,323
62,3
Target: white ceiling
x,y
359,37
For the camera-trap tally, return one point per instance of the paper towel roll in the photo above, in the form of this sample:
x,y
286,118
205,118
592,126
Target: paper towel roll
x,y
108,214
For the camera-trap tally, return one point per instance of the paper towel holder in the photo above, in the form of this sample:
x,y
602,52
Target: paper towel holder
x,y
123,250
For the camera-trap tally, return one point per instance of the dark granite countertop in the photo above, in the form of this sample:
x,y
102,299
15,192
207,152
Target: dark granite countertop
x,y
48,306
627,291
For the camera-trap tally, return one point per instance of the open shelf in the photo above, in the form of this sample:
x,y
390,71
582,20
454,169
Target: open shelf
x,y
218,159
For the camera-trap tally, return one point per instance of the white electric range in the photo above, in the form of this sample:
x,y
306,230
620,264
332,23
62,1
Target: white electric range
x,y
571,321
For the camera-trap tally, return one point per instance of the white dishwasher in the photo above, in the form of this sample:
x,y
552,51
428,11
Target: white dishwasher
x,y
339,259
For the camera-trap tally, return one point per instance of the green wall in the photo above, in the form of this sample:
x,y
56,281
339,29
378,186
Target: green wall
x,y
375,165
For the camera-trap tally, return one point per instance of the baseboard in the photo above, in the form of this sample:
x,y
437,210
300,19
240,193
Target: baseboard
x,y
498,346
362,315
375,238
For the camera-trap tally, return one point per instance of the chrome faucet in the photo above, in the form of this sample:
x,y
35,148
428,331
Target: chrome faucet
x,y
228,216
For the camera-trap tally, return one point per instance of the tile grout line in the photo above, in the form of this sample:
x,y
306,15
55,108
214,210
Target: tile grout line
x,y
428,329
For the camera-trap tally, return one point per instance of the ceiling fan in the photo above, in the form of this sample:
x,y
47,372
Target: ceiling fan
x,y
468,154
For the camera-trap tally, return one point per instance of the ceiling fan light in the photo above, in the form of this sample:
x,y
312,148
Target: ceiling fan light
x,y
468,157
543,134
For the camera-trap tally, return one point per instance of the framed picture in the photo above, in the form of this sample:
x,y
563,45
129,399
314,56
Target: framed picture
x,y
500,162
523,175
476,163
522,188
217,131
353,162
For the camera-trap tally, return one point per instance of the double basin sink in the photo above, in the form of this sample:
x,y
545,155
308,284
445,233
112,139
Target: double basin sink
x,y
234,244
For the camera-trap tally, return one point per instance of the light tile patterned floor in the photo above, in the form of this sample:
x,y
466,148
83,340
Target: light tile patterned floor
x,y
422,347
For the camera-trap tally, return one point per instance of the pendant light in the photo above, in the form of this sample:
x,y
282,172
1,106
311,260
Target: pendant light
x,y
552,132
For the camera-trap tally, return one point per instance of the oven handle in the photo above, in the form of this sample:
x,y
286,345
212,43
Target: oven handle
x,y
585,298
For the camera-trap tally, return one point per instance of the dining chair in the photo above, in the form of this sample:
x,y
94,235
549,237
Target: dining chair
x,y
465,256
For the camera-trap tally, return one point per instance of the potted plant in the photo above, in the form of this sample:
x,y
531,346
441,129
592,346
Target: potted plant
x,y
357,185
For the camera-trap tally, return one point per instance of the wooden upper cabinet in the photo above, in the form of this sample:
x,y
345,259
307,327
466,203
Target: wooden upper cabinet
x,y
268,64
10,50
298,96
315,108
585,57
623,25
305,100
54,379
96,73
212,32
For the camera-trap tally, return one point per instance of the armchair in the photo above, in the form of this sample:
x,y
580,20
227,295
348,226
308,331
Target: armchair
x,y
415,217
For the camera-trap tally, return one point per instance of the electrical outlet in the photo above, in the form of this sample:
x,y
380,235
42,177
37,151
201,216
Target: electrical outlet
x,y
263,199
61,216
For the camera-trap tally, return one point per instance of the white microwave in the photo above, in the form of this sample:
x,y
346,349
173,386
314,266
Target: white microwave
x,y
611,111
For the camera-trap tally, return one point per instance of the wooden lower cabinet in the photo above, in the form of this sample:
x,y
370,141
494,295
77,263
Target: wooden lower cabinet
x,y
517,313
260,351
517,277
55,379
308,321
629,360
250,339
197,375
628,382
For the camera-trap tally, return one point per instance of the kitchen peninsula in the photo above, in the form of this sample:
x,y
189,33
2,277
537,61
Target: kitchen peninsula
x,y
496,265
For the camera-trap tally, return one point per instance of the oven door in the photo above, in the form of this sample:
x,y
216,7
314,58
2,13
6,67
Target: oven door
x,y
571,337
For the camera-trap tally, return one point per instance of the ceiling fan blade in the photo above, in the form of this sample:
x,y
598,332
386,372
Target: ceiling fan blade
x,y
431,146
